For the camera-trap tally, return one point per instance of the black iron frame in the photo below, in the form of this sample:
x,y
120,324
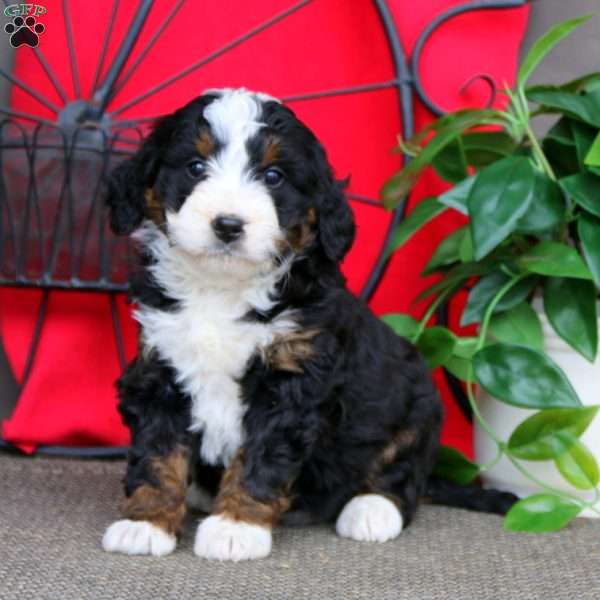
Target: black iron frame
x,y
85,125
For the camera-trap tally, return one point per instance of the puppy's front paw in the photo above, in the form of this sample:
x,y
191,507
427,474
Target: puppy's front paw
x,y
220,538
369,518
138,537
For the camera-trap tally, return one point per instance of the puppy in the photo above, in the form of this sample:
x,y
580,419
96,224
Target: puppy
x,y
259,377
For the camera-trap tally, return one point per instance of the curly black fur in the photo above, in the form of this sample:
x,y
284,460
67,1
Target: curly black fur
x,y
318,435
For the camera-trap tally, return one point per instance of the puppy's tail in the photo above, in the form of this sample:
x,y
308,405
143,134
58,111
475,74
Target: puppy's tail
x,y
472,497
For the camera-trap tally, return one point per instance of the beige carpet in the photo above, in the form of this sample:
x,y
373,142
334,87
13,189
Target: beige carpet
x,y
53,513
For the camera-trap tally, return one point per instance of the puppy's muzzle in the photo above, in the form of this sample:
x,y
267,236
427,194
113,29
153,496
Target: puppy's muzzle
x,y
228,228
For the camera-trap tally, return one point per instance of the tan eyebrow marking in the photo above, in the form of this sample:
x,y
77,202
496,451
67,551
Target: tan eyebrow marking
x,y
272,151
205,144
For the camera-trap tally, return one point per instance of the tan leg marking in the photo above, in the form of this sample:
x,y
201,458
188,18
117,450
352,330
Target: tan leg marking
x,y
164,505
233,501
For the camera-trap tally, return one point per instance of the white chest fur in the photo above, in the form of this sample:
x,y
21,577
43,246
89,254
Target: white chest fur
x,y
209,344
209,347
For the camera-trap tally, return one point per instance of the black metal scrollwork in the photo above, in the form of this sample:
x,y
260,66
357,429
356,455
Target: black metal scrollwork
x,y
435,24
56,251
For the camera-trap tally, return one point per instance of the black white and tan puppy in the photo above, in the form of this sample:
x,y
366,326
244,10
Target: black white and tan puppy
x,y
260,379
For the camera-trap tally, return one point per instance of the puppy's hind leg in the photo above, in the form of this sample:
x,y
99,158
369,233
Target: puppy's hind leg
x,y
370,518
390,494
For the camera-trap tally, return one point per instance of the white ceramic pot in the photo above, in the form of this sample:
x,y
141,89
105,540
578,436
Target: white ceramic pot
x,y
585,378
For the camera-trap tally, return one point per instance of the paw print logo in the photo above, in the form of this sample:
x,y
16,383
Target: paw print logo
x,y
24,32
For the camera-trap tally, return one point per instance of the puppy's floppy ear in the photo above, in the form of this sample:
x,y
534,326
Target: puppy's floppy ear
x,y
336,220
129,181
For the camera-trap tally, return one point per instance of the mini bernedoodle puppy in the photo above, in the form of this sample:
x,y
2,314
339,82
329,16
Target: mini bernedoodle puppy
x,y
263,391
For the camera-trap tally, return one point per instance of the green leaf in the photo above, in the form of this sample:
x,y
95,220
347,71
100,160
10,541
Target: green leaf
x,y
501,195
519,325
457,196
446,129
548,433
554,259
560,149
545,44
583,135
454,466
447,252
541,513
547,208
588,228
479,148
578,466
460,368
562,132
466,248
436,345
570,306
451,163
485,147
584,108
568,142
455,276
403,325
484,291
481,295
423,212
584,188
592,158
523,377
585,82
517,294
590,82
465,347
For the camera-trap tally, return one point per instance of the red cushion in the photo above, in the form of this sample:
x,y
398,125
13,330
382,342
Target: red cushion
x,y
69,398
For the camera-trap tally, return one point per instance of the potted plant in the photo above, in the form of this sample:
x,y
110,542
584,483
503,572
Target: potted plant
x,y
530,260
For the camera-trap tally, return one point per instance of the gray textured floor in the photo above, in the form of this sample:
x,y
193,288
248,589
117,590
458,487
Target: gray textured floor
x,y
53,512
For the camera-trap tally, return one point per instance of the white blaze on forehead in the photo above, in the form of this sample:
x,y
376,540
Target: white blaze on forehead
x,y
230,186
235,116
260,95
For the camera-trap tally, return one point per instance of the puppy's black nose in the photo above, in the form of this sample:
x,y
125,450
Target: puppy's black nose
x,y
228,228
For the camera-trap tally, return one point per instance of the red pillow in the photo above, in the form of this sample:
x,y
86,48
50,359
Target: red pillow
x,y
69,398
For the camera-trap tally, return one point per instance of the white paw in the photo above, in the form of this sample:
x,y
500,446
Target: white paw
x,y
369,518
138,537
222,539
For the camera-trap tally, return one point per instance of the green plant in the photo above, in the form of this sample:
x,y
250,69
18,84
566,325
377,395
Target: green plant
x,y
534,227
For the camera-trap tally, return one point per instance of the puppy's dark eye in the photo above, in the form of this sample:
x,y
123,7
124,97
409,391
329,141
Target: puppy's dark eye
x,y
195,168
273,177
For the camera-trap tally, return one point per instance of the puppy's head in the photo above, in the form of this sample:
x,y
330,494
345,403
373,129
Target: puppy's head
x,y
234,175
